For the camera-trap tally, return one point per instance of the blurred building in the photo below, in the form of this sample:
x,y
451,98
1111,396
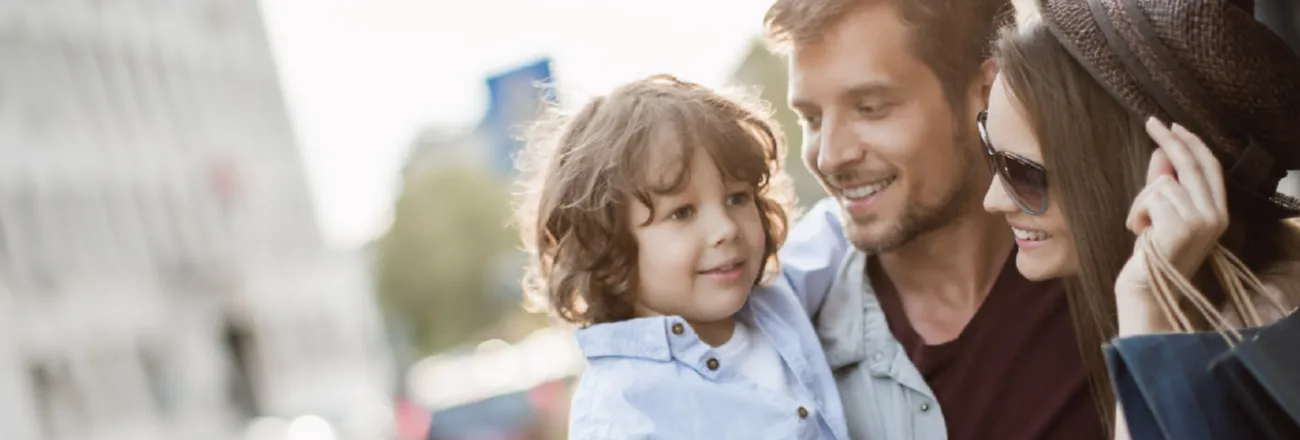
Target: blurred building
x,y
161,272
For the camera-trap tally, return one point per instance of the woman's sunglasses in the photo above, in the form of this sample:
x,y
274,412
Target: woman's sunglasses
x,y
1025,181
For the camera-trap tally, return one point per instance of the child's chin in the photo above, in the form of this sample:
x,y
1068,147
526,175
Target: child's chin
x,y
719,312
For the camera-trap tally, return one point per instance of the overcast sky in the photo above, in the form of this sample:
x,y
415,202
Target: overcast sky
x,y
362,76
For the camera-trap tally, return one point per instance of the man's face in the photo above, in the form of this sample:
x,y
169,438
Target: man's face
x,y
879,133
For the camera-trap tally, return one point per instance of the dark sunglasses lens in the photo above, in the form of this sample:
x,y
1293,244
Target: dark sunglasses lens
x,y
1026,181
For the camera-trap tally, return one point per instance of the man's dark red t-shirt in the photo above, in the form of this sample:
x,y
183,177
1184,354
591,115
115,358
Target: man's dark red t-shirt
x,y
1014,373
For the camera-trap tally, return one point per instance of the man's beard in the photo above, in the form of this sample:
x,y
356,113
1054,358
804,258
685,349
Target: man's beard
x,y
919,219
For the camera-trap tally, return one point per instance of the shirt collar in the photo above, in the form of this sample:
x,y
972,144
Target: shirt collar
x,y
657,338
851,325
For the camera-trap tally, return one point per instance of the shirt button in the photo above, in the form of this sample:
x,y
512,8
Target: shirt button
x,y
803,412
925,407
878,356
713,364
678,329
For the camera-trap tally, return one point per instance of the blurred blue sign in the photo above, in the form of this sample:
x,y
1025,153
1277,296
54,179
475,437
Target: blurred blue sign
x,y
516,98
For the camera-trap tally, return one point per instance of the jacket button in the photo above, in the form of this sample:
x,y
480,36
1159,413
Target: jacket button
x,y
803,412
678,329
713,364
925,407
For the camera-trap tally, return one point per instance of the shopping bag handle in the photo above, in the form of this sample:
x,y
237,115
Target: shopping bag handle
x,y
1168,285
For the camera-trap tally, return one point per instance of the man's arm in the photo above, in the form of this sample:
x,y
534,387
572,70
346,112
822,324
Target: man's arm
x,y
812,254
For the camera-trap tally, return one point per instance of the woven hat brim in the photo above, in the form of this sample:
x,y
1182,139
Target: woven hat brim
x,y
1073,25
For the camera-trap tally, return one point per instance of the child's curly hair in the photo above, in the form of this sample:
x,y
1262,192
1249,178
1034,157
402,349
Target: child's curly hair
x,y
582,171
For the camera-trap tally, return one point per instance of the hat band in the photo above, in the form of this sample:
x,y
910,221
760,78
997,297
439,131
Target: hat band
x,y
1253,168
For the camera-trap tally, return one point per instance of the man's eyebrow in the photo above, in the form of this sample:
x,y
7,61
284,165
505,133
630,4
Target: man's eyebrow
x,y
801,105
859,91
868,89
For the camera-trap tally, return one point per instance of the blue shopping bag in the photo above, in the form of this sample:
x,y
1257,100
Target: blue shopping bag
x,y
1195,386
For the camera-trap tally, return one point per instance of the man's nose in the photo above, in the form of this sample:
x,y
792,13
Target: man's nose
x,y
838,148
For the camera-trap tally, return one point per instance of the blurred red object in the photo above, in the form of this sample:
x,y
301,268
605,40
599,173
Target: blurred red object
x,y
224,176
412,420
547,396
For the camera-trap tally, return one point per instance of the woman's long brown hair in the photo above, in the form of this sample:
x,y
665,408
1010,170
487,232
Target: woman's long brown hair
x,y
1096,154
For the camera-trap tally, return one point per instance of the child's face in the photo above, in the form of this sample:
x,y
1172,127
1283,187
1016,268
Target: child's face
x,y
701,254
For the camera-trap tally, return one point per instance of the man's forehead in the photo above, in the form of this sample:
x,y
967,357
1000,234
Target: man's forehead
x,y
812,82
850,62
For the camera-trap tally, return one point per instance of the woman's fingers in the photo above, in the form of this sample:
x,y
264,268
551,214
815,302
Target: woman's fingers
x,y
1138,219
1164,214
1159,166
1210,167
1187,168
1163,189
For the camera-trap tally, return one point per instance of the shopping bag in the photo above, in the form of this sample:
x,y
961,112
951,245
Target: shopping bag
x,y
1263,373
1203,385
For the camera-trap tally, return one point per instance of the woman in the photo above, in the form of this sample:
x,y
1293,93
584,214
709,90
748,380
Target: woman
x,y
1094,129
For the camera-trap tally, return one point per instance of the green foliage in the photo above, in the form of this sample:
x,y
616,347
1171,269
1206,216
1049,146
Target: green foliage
x,y
436,262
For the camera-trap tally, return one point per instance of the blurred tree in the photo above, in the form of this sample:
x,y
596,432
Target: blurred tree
x,y
436,261
762,69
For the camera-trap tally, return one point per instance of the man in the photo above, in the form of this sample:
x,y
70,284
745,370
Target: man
x,y
931,331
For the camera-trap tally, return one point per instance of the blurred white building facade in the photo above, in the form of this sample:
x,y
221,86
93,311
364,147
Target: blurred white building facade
x,y
162,275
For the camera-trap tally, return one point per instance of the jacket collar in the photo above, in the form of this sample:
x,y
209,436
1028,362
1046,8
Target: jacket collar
x,y
851,324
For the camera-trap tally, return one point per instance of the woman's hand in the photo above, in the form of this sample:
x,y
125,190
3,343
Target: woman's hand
x,y
1184,207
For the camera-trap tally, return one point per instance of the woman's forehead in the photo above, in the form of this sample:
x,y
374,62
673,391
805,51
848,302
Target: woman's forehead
x,y
1008,129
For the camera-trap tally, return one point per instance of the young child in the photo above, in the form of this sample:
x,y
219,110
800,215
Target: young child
x,y
653,217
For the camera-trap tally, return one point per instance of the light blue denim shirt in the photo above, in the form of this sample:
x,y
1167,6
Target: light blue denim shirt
x,y
885,397
650,378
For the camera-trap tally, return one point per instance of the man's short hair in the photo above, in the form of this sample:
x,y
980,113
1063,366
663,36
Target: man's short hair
x,y
952,37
